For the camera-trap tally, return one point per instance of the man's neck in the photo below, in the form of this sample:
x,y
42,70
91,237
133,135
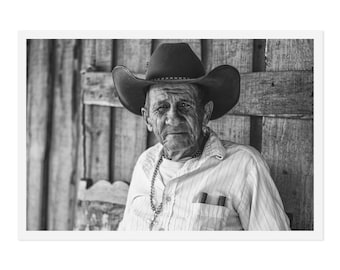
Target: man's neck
x,y
178,155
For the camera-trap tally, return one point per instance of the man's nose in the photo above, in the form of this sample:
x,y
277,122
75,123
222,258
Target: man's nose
x,y
172,117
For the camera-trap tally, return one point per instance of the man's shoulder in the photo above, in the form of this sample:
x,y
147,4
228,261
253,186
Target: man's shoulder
x,y
242,150
151,153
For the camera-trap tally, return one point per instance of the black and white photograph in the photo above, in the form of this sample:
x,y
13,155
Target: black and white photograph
x,y
169,135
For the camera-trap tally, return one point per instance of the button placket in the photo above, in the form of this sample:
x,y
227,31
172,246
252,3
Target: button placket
x,y
169,202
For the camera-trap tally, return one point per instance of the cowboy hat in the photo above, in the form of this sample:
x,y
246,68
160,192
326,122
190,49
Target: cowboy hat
x,y
177,63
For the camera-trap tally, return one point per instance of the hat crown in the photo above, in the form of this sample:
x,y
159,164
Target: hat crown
x,y
174,61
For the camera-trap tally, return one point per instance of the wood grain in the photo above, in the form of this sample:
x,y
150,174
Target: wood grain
x,y
259,59
285,94
38,94
235,52
238,53
276,94
98,118
63,152
287,143
287,146
130,134
232,128
289,54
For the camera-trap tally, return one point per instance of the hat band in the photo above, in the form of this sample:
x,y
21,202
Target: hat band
x,y
170,78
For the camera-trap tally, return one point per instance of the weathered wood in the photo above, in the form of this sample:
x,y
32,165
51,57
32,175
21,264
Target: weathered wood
x,y
99,216
237,53
276,93
259,64
97,56
130,137
287,146
259,59
286,94
98,118
86,59
38,94
287,143
102,206
234,52
134,54
256,132
289,54
130,134
195,44
64,139
232,128
99,89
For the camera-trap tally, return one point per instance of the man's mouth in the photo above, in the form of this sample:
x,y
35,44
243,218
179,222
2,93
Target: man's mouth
x,y
178,132
174,133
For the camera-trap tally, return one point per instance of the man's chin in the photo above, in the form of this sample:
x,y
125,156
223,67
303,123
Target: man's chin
x,y
174,144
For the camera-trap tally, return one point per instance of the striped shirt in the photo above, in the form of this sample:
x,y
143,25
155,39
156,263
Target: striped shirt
x,y
236,172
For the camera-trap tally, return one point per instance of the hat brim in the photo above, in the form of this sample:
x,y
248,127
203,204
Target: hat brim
x,y
222,85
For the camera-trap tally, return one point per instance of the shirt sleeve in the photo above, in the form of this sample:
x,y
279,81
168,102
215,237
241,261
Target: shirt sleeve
x,y
261,207
131,194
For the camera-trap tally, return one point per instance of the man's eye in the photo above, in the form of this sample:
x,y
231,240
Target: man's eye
x,y
162,107
184,105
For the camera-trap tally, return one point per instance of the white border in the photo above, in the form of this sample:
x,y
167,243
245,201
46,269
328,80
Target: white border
x,y
316,234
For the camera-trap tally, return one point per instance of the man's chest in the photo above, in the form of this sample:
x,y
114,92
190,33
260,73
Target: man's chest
x,y
181,205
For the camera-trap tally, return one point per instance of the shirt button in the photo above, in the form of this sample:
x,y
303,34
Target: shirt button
x,y
168,199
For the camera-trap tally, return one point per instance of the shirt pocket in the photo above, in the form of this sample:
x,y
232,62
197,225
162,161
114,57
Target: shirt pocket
x,y
208,217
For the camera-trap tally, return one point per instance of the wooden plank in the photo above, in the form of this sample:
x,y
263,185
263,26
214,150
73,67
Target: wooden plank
x,y
238,53
130,133
234,52
256,132
134,54
98,119
287,146
289,54
38,95
195,44
259,59
276,93
87,62
102,206
259,64
232,128
86,59
285,94
99,89
288,143
63,152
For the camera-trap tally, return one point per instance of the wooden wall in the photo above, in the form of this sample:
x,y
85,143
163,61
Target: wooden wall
x,y
275,115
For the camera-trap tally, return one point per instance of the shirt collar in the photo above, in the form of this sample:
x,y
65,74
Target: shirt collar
x,y
213,147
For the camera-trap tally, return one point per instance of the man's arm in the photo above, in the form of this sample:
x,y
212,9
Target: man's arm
x,y
261,207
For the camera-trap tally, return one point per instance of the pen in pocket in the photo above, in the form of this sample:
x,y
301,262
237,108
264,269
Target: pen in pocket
x,y
221,201
202,197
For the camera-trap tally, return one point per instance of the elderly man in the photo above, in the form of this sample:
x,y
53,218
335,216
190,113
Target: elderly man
x,y
191,180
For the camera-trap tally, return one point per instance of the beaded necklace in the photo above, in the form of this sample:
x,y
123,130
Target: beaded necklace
x,y
157,209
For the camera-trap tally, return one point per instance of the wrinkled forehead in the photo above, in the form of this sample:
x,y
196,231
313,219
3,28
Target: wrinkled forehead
x,y
173,91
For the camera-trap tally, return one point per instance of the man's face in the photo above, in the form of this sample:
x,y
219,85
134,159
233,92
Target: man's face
x,y
175,115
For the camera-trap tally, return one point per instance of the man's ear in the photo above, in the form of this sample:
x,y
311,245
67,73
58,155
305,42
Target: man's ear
x,y
208,109
145,115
